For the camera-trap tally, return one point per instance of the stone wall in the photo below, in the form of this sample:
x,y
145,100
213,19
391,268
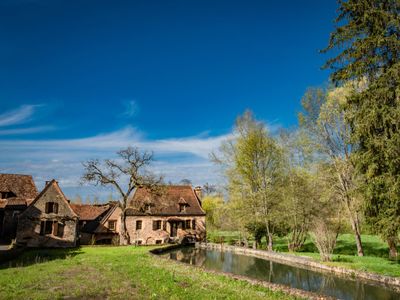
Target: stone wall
x,y
148,236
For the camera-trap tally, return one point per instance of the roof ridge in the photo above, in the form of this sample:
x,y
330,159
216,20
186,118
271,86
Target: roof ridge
x,y
16,174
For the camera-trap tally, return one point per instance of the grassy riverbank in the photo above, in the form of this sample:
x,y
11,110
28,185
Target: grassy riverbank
x,y
117,273
375,259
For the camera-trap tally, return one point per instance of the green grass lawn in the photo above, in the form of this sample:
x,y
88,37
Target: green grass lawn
x,y
345,254
116,273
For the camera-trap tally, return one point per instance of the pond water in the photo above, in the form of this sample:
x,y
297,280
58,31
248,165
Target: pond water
x,y
295,277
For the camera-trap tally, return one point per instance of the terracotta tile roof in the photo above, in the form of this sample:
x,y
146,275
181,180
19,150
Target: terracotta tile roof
x,y
167,202
21,185
88,212
16,201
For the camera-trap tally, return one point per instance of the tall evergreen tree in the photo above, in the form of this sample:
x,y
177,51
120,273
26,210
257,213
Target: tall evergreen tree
x,y
368,38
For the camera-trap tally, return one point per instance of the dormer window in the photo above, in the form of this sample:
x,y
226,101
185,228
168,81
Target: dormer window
x,y
182,204
5,195
147,207
51,208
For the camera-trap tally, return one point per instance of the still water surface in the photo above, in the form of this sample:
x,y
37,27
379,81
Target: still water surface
x,y
295,277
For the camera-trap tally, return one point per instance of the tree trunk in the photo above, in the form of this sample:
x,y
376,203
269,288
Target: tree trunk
x,y
357,234
245,242
125,238
255,245
392,248
270,242
360,250
269,234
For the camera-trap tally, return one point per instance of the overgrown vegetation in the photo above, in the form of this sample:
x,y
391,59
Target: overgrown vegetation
x,y
116,273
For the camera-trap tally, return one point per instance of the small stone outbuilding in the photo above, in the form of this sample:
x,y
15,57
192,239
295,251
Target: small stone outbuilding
x,y
48,221
98,224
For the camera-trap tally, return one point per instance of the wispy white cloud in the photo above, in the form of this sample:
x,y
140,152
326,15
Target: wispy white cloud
x,y
131,109
17,131
176,158
20,115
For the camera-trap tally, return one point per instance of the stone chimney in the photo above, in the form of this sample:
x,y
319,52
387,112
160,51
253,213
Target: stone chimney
x,y
199,192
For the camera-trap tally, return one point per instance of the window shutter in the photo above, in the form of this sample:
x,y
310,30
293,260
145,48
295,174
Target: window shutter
x,y
154,225
47,208
194,223
42,228
60,231
165,225
55,228
55,208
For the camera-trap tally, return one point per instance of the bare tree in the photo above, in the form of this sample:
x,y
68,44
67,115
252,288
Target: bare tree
x,y
209,189
185,181
125,174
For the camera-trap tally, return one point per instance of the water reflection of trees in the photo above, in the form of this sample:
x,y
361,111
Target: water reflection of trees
x,y
262,269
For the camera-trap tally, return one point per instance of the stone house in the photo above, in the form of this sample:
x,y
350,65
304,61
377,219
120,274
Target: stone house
x,y
16,193
48,221
98,224
169,216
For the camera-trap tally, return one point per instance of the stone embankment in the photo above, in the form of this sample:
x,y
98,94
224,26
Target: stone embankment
x,y
309,263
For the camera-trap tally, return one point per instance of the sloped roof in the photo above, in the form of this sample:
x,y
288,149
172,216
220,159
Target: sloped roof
x,y
22,186
94,215
52,184
167,202
17,201
89,212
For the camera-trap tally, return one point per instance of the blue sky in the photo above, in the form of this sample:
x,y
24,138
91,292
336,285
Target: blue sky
x,y
81,79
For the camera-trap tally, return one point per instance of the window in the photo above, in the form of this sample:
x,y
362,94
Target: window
x,y
138,224
147,208
157,225
60,231
158,242
51,207
112,224
5,195
182,207
164,225
52,227
187,225
193,224
46,227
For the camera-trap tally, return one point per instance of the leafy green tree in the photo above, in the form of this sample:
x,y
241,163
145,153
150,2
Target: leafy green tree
x,y
253,165
323,116
368,38
212,206
299,192
258,230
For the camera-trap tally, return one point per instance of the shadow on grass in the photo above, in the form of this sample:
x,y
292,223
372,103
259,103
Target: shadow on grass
x,y
342,259
371,248
37,256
